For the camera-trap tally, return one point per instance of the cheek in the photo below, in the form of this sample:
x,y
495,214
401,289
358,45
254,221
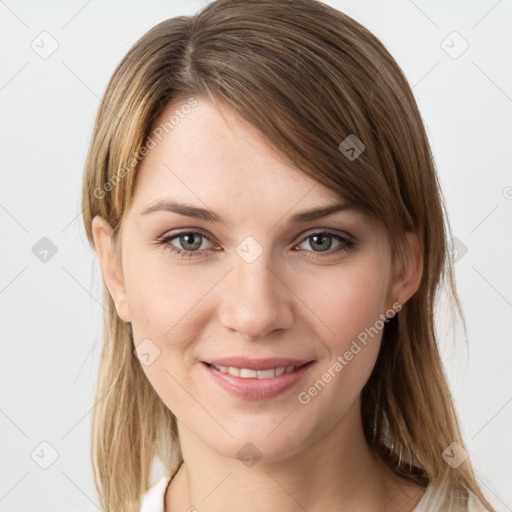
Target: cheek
x,y
164,296
169,310
345,299
346,309
163,306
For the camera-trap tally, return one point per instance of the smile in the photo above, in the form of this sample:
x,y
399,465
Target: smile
x,y
257,384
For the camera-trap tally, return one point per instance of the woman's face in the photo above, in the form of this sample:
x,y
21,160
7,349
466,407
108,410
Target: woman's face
x,y
237,273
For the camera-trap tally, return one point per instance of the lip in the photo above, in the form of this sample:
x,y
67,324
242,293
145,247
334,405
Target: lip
x,y
258,389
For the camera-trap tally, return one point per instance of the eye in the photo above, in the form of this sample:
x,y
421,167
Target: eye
x,y
191,244
188,243
322,242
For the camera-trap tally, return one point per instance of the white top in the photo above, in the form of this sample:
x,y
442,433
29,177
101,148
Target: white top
x,y
153,500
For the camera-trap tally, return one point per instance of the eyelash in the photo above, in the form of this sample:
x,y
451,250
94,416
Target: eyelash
x,y
346,244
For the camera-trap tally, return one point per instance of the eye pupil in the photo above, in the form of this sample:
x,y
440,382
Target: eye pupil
x,y
188,238
320,239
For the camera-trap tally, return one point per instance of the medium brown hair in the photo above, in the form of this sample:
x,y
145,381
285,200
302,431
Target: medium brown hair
x,y
306,76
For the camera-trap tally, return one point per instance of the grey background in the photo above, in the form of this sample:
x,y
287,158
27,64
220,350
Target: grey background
x,y
50,311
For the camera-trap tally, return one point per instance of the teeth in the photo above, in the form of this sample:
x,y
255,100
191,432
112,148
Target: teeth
x,y
248,374
232,371
245,373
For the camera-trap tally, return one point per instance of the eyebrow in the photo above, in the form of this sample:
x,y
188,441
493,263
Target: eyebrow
x,y
209,216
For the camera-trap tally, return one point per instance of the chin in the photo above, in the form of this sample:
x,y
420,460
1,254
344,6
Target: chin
x,y
255,444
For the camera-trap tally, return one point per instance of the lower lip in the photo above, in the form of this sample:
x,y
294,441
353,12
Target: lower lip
x,y
257,389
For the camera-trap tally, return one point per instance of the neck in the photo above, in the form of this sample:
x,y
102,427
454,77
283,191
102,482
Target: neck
x,y
338,472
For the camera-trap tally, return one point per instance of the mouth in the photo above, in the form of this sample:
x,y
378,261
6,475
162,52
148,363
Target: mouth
x,y
257,383
250,373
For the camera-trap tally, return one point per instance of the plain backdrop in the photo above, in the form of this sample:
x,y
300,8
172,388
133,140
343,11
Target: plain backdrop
x,y
457,57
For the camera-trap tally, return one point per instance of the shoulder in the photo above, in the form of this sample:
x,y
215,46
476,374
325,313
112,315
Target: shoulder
x,y
434,499
153,499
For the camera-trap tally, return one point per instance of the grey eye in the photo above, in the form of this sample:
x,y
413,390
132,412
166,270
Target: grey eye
x,y
190,241
321,242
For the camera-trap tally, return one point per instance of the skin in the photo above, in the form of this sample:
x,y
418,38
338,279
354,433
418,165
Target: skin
x,y
285,303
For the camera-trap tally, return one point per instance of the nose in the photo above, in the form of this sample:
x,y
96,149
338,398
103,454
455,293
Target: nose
x,y
255,301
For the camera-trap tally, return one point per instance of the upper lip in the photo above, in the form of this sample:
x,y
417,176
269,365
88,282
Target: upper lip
x,y
258,364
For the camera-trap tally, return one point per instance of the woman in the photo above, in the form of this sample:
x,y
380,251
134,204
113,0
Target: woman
x,y
263,202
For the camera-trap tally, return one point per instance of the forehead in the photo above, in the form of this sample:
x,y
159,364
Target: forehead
x,y
212,155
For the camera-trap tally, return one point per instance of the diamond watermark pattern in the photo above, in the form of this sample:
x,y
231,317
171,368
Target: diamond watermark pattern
x,y
249,454
458,249
45,45
454,455
147,352
249,249
454,45
44,455
44,250
351,147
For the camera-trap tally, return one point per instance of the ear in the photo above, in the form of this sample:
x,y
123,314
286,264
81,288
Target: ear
x,y
110,265
407,274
